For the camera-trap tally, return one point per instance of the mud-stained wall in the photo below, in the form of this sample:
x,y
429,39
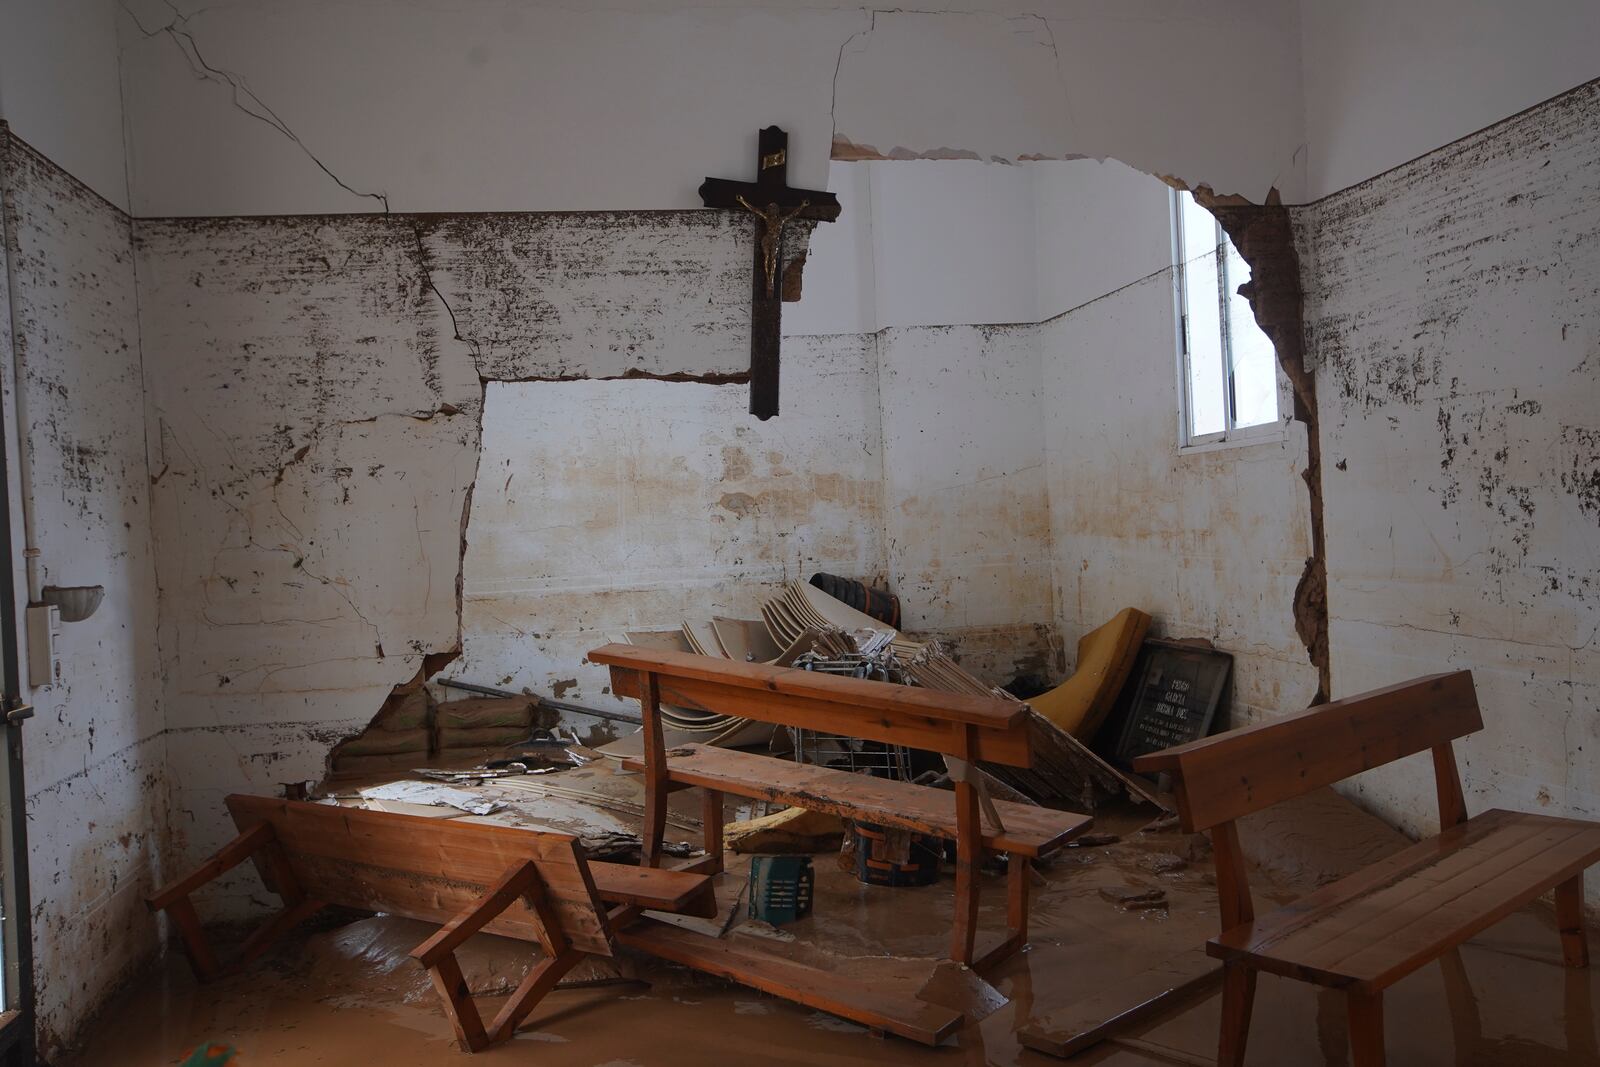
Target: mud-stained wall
x,y
316,388
1212,543
607,506
313,436
1453,313
96,784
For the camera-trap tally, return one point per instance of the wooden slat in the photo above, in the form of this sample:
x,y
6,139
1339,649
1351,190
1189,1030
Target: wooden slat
x,y
1075,1026
656,888
1030,830
987,712
901,728
1222,777
1383,922
870,1003
428,869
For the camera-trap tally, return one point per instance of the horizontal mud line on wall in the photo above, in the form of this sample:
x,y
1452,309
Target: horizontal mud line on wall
x,y
428,216
631,375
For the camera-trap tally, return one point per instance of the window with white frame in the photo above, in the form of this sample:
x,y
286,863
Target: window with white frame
x,y
1228,371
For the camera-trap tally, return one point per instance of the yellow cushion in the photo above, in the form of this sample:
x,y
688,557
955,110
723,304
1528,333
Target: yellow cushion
x,y
1105,659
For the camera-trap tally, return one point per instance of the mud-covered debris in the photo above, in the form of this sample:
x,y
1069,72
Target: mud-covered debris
x,y
1135,898
1163,862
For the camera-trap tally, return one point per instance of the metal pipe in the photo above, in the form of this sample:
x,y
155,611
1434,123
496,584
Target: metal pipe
x,y
559,705
19,399
16,935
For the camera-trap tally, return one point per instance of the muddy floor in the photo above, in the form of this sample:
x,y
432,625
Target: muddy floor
x,y
345,992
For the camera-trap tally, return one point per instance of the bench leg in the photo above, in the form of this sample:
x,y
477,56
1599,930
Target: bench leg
x,y
1579,1016
541,980
656,785
1466,1021
201,957
259,842
267,935
969,858
456,999
1018,874
1366,1028
1238,997
1569,917
438,955
711,828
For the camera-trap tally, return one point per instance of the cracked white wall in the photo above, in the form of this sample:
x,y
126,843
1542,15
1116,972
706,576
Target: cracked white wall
x,y
460,106
95,753
1453,318
315,405
314,429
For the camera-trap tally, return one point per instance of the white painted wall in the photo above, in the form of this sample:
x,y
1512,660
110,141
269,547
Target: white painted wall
x,y
1168,88
958,242
60,90
544,106
953,242
94,751
1096,228
1456,334
1389,80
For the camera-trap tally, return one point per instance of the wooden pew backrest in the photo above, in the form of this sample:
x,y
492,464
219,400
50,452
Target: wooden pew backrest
x,y
1218,779
875,711
382,861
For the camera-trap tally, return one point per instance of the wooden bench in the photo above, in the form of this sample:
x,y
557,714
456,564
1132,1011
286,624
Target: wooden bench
x,y
1368,930
526,884
964,728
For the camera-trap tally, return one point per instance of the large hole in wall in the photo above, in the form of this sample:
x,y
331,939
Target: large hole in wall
x,y
608,505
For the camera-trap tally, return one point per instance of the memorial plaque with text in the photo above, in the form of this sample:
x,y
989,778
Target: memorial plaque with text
x,y
1176,699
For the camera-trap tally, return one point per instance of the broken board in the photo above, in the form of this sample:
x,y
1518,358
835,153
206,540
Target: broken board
x,y
1085,1023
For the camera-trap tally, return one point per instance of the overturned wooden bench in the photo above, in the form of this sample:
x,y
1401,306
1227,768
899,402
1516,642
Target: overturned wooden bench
x,y
964,728
1372,928
526,884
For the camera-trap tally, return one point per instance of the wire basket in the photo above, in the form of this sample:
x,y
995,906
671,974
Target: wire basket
x,y
840,751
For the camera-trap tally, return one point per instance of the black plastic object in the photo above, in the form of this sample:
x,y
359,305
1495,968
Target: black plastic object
x,y
920,868
879,603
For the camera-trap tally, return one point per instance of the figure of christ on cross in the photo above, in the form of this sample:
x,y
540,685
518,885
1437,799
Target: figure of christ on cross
x,y
774,204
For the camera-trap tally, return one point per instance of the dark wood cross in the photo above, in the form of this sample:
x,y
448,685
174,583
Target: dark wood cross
x,y
774,205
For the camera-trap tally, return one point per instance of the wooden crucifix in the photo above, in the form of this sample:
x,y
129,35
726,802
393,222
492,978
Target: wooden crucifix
x,y
774,205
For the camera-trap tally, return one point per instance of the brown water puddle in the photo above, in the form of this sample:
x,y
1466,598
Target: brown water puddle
x,y
348,994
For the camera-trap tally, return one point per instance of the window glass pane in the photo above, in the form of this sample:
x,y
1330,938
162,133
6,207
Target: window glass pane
x,y
1205,347
1203,369
1199,229
1255,375
1204,366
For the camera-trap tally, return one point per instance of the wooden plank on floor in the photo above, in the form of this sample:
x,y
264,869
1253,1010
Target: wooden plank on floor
x,y
1077,1026
1029,829
872,1004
